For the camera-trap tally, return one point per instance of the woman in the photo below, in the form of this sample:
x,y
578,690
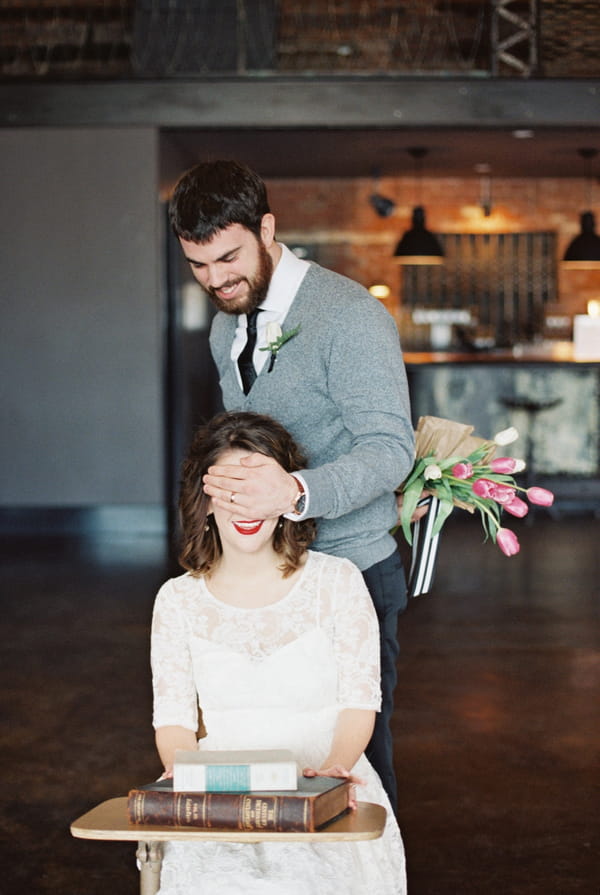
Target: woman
x,y
279,646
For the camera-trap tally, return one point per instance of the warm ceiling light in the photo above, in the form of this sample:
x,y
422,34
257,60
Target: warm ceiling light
x,y
418,245
583,252
380,290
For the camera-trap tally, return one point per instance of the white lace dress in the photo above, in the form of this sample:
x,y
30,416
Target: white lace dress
x,y
274,677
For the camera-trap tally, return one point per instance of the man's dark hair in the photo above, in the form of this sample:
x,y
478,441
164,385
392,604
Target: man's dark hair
x,y
212,196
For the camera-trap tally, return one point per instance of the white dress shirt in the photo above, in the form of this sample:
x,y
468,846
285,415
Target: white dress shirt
x,y
285,282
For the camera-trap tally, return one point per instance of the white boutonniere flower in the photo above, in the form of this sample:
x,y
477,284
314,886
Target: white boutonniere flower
x,y
276,338
273,333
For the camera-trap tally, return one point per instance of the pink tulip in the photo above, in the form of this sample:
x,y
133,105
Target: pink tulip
x,y
483,487
541,496
504,465
516,507
507,541
462,470
502,494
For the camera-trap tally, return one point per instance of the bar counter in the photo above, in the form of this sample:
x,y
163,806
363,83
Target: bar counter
x,y
548,392
544,353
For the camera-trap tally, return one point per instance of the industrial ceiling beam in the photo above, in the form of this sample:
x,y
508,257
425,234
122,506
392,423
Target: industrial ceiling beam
x,y
301,102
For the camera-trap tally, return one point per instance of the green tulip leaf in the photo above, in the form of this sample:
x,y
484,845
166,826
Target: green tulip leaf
x,y
416,473
449,461
410,500
445,508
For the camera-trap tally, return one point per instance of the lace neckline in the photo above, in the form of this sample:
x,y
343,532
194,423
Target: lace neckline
x,y
283,599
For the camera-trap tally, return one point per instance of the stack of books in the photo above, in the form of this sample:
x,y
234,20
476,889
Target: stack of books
x,y
252,790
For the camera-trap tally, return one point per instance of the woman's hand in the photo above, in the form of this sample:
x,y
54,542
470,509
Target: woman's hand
x,y
168,740
338,771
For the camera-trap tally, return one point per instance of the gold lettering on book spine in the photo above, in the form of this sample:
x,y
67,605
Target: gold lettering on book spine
x,y
263,815
138,808
246,813
259,813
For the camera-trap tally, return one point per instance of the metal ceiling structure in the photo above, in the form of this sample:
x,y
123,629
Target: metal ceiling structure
x,y
351,125
315,89
343,152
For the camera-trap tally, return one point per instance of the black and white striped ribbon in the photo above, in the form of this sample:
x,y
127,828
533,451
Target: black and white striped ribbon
x,y
424,549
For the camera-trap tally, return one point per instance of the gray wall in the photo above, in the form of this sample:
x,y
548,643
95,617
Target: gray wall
x,y
80,359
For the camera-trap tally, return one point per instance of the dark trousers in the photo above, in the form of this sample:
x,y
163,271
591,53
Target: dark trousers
x,y
387,586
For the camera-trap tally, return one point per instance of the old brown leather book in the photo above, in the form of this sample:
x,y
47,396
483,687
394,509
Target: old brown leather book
x,y
316,802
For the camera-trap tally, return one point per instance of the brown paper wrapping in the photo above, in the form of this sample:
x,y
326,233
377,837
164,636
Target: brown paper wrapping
x,y
445,438
441,438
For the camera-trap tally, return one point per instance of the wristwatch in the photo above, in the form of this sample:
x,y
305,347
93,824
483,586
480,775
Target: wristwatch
x,y
300,502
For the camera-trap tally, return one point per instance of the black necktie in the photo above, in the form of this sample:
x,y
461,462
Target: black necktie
x,y
247,371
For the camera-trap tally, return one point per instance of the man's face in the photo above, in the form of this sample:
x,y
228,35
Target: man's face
x,y
234,268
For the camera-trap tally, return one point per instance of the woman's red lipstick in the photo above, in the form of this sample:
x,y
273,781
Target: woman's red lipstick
x,y
248,528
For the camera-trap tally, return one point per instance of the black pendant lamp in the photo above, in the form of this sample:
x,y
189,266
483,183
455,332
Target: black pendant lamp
x,y
583,252
419,245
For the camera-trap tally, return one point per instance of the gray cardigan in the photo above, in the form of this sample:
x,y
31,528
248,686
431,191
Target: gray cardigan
x,y
339,386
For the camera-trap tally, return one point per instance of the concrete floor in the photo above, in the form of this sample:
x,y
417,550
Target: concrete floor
x,y
497,727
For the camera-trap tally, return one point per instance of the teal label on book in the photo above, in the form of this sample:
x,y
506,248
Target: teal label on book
x,y
228,778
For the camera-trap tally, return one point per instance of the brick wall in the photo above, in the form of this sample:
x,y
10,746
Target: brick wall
x,y
335,215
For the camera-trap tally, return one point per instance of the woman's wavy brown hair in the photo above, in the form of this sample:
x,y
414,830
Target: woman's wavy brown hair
x,y
252,432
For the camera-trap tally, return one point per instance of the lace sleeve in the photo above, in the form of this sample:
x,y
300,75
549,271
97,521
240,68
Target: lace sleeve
x,y
175,699
356,641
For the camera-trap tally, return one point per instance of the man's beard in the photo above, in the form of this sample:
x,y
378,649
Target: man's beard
x,y
258,287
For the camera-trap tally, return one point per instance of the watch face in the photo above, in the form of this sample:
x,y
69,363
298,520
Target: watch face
x,y
300,504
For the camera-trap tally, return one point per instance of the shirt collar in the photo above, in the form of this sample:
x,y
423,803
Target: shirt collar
x,y
285,282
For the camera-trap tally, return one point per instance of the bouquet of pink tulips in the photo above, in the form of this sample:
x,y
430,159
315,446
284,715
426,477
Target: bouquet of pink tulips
x,y
461,470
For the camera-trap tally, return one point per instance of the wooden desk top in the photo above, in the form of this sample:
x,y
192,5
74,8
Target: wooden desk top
x,y
109,821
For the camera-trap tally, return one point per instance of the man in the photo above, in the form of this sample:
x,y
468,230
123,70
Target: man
x,y
332,374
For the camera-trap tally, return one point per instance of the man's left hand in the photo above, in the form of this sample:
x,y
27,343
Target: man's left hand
x,y
418,513
261,488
